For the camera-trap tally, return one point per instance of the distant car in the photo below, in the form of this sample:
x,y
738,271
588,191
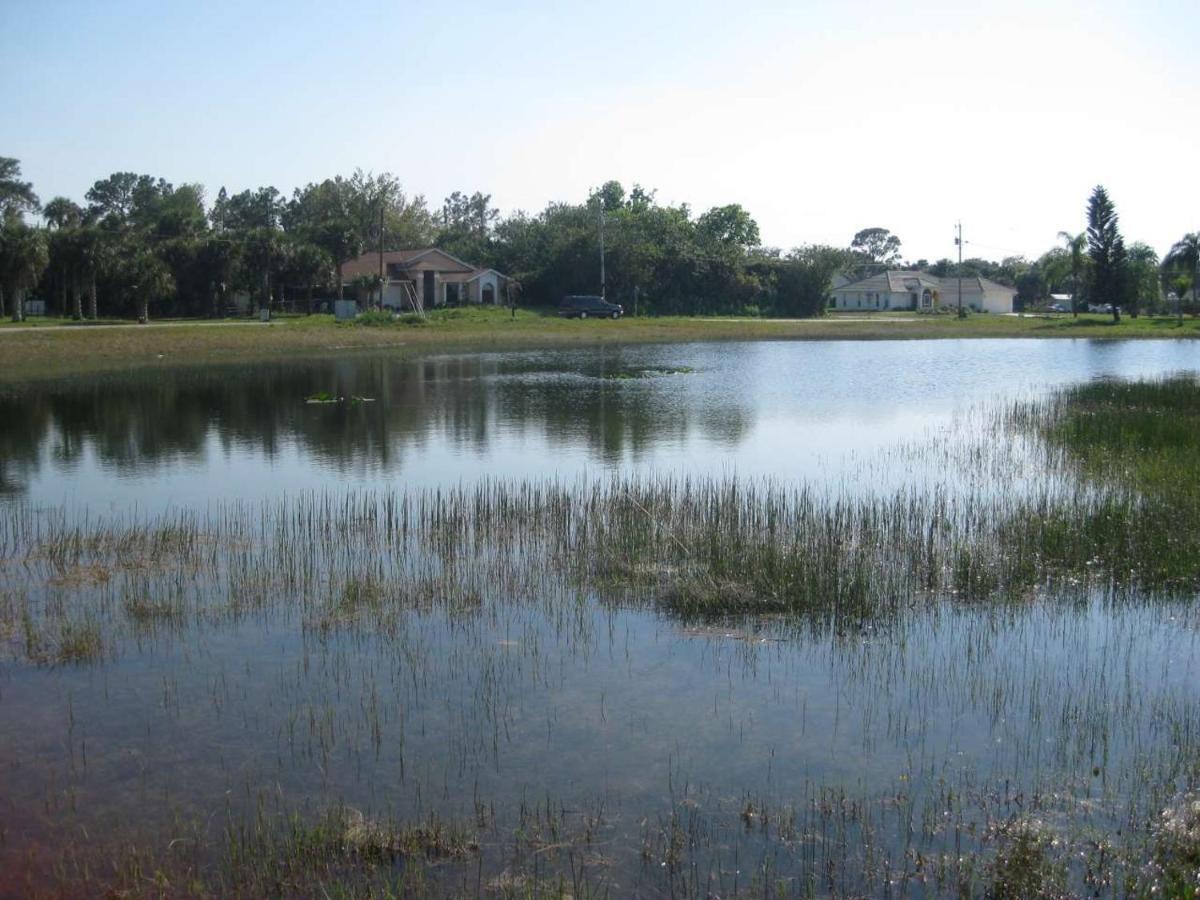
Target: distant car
x,y
580,306
1059,307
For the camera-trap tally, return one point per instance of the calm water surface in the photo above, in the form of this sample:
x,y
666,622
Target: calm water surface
x,y
801,410
578,703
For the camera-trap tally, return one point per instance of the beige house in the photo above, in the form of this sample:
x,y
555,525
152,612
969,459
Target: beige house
x,y
898,289
429,277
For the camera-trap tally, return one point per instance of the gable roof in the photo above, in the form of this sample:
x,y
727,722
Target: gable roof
x,y
368,263
418,255
893,281
479,273
899,281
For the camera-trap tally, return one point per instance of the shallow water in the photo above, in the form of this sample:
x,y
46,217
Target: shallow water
x,y
882,745
823,411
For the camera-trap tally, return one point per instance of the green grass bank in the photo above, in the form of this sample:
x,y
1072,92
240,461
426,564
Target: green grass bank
x,y
47,348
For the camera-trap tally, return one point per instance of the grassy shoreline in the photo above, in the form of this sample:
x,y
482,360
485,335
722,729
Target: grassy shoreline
x,y
61,348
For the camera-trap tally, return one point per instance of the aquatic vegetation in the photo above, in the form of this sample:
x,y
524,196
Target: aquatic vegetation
x,y
665,685
647,372
1024,867
1175,868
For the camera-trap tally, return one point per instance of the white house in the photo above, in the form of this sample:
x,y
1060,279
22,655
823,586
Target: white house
x,y
899,289
430,276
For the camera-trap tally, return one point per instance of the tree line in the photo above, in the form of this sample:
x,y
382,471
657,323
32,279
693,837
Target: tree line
x,y
1094,266
137,243
1098,269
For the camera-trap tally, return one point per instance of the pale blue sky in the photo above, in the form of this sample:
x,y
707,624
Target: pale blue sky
x,y
821,118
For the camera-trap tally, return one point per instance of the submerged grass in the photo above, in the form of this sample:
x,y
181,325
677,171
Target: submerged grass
x,y
1119,509
1116,515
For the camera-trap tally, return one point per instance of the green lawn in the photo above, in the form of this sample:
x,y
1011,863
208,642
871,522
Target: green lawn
x,y
51,347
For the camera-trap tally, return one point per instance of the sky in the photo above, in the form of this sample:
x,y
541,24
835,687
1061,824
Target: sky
x,y
821,118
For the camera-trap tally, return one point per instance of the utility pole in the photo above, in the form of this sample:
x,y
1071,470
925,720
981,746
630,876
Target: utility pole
x,y
959,241
381,252
602,281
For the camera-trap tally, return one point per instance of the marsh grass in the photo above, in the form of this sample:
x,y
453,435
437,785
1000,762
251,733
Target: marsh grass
x,y
1113,519
1139,441
1175,867
64,641
1025,866
1118,509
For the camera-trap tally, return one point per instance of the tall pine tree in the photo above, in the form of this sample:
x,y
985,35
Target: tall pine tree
x,y
1108,275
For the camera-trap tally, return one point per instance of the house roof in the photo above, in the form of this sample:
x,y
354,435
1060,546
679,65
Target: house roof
x,y
893,281
368,263
904,281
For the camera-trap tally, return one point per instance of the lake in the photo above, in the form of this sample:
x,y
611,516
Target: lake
x,y
585,737
793,410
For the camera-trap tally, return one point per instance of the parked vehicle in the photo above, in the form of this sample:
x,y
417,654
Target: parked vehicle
x,y
581,306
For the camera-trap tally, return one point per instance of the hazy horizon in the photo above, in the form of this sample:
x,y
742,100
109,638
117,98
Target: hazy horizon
x,y
820,120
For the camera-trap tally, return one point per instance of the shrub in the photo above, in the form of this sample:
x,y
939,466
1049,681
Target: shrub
x,y
374,318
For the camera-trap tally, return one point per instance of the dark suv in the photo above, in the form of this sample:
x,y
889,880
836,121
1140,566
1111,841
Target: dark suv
x,y
582,306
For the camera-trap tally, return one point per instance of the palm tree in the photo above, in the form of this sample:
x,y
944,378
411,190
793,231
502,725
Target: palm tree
x,y
1055,266
364,289
62,212
24,255
259,256
94,257
64,219
152,280
1183,259
62,263
309,265
219,256
1076,246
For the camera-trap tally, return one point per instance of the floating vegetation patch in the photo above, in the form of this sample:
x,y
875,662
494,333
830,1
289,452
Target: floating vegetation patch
x,y
631,374
323,398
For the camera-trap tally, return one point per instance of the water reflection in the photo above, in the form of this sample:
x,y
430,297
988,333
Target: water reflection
x,y
783,409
